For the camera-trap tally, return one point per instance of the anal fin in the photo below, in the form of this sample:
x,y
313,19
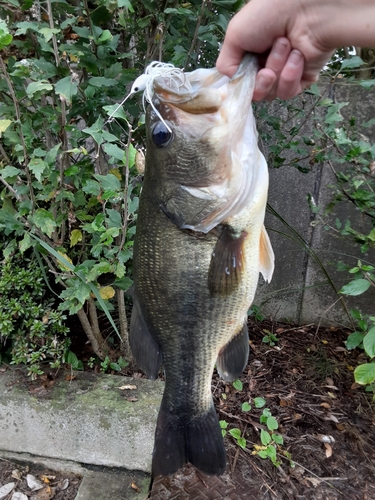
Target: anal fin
x,y
227,263
266,256
145,349
233,357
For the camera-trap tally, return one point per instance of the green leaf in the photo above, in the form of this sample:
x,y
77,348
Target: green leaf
x,y
105,36
124,283
48,33
40,86
66,88
241,442
45,221
23,26
246,406
126,4
91,187
237,384
259,402
354,340
265,437
277,438
75,237
96,131
100,81
369,342
367,84
272,423
4,124
355,287
37,167
51,155
236,433
25,243
5,39
115,111
353,62
365,374
114,151
108,182
223,424
9,171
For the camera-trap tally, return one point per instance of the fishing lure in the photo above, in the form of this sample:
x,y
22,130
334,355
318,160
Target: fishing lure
x,y
144,83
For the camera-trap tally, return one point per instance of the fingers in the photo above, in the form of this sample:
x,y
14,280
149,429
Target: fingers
x,y
282,74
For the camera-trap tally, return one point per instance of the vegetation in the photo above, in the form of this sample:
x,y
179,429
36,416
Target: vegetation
x,y
69,153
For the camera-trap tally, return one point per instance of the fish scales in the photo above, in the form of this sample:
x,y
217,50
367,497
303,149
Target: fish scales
x,y
196,271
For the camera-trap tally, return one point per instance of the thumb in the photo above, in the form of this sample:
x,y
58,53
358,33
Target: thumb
x,y
229,58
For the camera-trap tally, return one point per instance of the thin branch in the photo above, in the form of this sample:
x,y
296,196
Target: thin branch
x,y
195,37
18,116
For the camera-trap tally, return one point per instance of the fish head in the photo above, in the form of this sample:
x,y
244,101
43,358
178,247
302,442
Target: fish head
x,y
202,144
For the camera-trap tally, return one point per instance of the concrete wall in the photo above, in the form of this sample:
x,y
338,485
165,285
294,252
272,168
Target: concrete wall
x,y
300,291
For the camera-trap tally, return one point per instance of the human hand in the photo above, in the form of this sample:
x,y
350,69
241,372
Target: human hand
x,y
288,36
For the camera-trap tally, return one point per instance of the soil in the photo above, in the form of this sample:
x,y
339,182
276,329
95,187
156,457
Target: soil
x,y
327,423
56,485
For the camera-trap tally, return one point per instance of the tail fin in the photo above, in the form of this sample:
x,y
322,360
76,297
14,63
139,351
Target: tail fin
x,y
199,442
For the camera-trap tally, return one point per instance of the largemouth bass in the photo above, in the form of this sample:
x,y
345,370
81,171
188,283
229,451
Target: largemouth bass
x,y
200,245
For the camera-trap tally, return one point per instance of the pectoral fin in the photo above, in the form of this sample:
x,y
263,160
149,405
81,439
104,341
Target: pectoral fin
x,y
266,256
227,263
234,356
145,349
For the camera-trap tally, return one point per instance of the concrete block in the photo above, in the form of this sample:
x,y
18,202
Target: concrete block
x,y
87,420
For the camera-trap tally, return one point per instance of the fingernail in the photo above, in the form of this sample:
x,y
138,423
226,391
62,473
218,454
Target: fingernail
x,y
263,83
295,58
280,47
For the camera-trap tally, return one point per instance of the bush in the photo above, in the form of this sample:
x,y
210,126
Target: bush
x,y
32,331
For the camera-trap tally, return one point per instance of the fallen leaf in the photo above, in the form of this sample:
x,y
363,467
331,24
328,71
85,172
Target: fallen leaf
x,y
6,489
33,483
325,405
354,386
331,395
45,479
340,427
45,494
125,387
333,418
283,403
279,330
64,485
324,341
70,377
315,481
18,496
328,448
132,399
135,487
325,438
297,416
17,474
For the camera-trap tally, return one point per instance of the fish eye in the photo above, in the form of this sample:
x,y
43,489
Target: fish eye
x,y
161,135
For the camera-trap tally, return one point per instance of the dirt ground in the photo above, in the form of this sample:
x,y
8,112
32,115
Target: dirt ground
x,y
327,423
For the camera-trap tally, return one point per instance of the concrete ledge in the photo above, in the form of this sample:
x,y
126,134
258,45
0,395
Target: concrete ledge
x,y
88,420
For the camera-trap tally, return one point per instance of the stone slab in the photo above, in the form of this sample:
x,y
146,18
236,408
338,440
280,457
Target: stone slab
x,y
88,420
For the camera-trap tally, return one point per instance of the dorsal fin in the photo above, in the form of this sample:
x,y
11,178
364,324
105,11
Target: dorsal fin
x,y
266,256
